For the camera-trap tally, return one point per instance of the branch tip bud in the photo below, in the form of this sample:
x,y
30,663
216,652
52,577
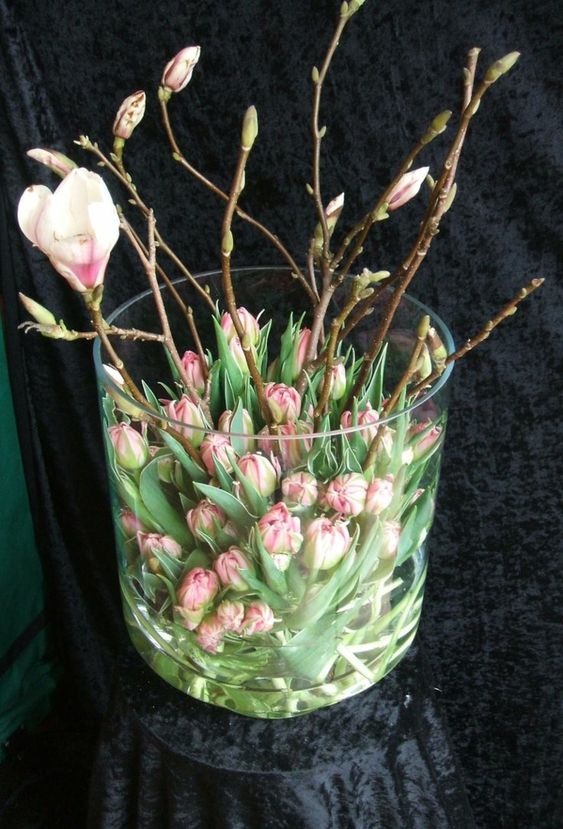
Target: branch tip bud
x,y
39,313
249,128
501,66
315,74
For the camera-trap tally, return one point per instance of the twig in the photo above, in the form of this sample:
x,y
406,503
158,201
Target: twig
x,y
469,76
58,332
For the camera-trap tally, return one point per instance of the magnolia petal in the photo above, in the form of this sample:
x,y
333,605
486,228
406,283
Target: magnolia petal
x,y
30,208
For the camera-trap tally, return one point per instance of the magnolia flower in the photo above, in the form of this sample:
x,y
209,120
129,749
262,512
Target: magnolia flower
x,y
247,427
217,447
230,615
333,210
76,227
367,418
347,493
194,369
130,524
197,590
284,402
178,72
300,489
258,618
56,162
379,494
130,447
406,188
391,534
227,567
326,543
129,115
249,323
280,531
203,519
210,634
186,412
261,473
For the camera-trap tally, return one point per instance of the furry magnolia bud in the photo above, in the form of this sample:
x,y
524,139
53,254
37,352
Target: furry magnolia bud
x,y
249,128
501,66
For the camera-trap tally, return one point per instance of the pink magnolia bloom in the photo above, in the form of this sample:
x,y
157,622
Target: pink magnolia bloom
x,y
379,494
300,489
149,542
230,615
258,618
192,365
326,543
333,210
225,425
204,517
302,348
391,534
367,418
284,402
261,473
56,162
347,493
210,634
215,446
186,412
249,323
130,447
228,566
129,115
130,524
178,71
424,444
76,227
406,188
280,531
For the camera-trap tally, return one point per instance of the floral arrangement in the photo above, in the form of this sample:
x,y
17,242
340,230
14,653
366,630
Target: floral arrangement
x,y
272,498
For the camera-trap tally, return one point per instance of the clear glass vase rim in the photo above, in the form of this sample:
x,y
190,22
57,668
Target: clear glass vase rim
x,y
436,322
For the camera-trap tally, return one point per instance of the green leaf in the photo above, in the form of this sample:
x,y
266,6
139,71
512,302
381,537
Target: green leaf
x,y
171,566
225,480
274,577
235,510
263,591
195,472
129,493
258,503
374,390
311,652
156,501
237,425
228,366
108,405
197,558
151,397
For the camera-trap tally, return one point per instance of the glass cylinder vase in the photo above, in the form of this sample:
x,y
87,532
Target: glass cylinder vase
x,y
267,571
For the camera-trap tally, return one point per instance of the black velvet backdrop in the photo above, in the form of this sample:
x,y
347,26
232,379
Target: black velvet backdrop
x,y
492,620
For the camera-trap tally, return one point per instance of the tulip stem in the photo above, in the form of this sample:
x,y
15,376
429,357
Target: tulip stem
x,y
118,170
181,159
507,311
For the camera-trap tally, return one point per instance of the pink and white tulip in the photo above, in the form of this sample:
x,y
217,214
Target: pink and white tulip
x,y
210,634
194,369
283,401
230,614
197,590
237,353
130,447
130,523
249,324
379,494
225,425
185,412
217,447
347,493
280,531
406,188
149,542
423,444
326,543
261,473
129,115
178,71
391,535
56,162
302,347
76,227
300,489
228,566
258,618
204,518
367,422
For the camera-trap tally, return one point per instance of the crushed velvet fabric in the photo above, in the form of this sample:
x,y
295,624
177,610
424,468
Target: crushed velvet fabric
x,y
492,620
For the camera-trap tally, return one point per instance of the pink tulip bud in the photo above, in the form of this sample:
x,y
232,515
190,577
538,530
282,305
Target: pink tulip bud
x,y
337,381
130,524
347,493
367,421
228,566
326,543
178,72
186,412
230,615
197,589
129,115
284,402
425,443
292,451
217,447
204,518
56,162
131,449
301,354
300,489
237,353
195,371
210,634
406,188
258,618
391,534
379,495
248,322
151,543
247,428
76,227
280,531
261,473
